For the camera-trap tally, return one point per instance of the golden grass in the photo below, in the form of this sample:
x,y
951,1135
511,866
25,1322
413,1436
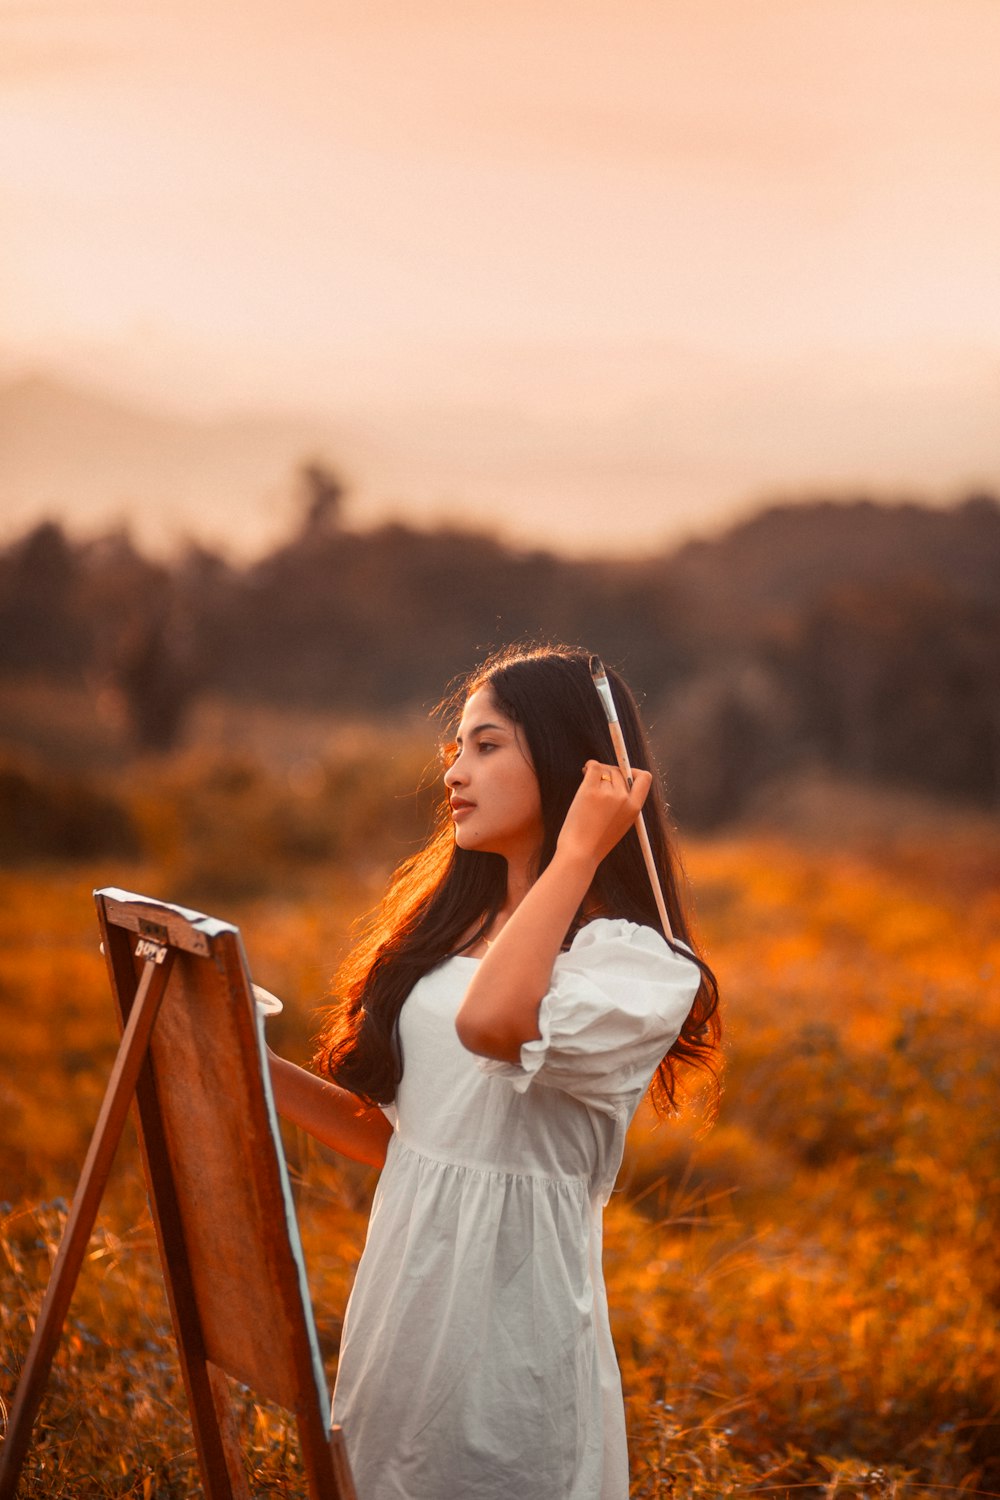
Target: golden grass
x,y
805,1299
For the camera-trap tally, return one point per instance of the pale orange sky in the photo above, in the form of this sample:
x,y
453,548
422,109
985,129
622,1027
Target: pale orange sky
x,y
559,263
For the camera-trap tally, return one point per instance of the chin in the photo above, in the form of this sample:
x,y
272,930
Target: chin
x,y
474,843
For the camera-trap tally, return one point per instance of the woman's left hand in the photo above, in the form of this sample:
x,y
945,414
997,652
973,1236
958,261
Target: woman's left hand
x,y
602,812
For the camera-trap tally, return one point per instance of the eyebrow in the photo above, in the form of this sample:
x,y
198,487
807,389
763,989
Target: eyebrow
x,y
479,729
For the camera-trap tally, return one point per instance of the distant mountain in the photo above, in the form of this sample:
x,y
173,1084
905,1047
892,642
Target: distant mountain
x,y
587,481
535,470
94,460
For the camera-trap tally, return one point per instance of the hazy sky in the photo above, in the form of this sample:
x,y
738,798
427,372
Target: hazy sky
x,y
608,264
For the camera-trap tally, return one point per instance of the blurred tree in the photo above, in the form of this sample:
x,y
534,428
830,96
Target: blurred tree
x,y
156,680
144,636
724,734
41,629
323,497
901,684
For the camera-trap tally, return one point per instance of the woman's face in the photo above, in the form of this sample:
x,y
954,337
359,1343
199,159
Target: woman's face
x,y
495,803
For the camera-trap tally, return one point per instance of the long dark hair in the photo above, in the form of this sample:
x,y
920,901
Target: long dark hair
x,y
436,897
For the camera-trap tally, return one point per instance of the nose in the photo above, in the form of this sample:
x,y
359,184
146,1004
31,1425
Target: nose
x,y
454,776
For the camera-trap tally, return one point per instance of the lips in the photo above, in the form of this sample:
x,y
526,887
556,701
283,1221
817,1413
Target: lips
x,y
459,805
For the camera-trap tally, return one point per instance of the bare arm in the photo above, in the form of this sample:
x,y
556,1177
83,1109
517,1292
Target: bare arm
x,y
331,1114
500,1009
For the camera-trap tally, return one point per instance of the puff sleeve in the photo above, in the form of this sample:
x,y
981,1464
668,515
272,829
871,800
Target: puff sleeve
x,y
617,1001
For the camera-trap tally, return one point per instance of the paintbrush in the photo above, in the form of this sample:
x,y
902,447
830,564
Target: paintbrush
x,y
603,687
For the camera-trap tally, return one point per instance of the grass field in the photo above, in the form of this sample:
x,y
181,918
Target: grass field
x,y
805,1298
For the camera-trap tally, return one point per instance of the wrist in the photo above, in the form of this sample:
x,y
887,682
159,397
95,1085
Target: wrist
x,y
578,866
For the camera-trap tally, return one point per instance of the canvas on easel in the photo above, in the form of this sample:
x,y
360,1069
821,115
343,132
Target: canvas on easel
x,y
192,1057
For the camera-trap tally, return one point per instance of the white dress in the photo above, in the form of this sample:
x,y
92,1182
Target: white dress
x,y
476,1361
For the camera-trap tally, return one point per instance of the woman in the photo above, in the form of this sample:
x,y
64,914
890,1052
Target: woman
x,y
511,1003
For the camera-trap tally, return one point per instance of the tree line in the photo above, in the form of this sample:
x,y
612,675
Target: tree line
x,y
851,635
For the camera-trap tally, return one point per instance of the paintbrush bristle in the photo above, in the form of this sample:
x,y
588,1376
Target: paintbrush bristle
x,y
603,687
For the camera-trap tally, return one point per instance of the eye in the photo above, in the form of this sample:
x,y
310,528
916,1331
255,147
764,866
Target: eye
x,y
485,745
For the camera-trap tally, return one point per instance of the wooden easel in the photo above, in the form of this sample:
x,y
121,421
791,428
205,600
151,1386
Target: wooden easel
x,y
191,1056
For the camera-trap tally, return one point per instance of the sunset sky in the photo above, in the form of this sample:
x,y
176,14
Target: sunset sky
x,y
605,273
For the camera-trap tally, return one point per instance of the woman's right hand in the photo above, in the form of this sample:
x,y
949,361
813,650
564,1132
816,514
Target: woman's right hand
x,y
602,812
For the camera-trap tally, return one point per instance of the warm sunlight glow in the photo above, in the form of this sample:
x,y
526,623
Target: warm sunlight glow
x,y
534,264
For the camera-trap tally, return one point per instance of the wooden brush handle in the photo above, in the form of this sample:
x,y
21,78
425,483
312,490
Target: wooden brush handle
x,y
618,740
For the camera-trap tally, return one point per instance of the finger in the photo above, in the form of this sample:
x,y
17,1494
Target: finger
x,y
598,771
642,781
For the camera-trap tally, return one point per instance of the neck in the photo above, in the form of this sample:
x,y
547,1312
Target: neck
x,y
520,879
521,876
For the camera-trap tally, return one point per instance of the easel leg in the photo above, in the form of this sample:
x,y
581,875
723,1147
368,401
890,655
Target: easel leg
x,y
324,1457
341,1468
223,1435
93,1179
